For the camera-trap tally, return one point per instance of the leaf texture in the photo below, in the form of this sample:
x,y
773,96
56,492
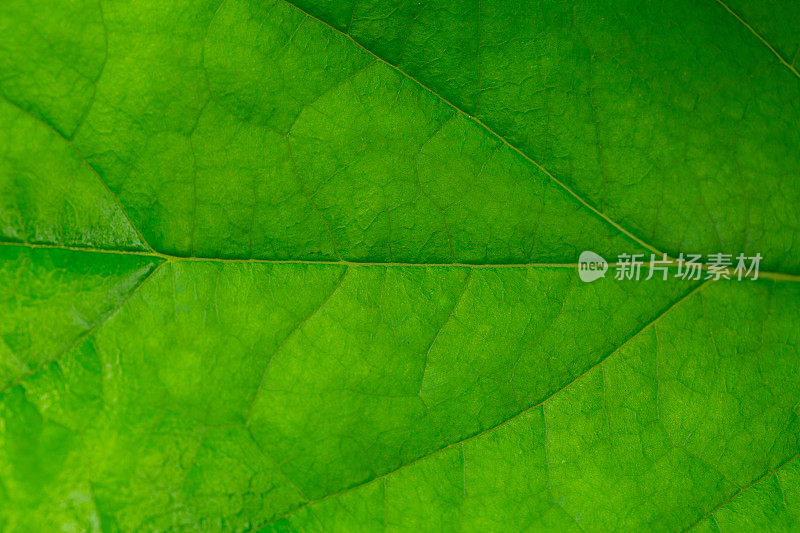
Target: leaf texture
x,y
310,265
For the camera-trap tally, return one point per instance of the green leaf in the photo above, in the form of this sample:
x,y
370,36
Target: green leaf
x,y
272,265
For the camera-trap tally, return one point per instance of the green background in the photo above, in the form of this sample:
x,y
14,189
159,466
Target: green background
x,y
311,266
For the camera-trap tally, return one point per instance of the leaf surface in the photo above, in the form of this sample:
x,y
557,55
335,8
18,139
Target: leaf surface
x,y
310,266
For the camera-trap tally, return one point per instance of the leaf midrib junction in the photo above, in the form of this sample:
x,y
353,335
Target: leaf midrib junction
x,y
673,263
